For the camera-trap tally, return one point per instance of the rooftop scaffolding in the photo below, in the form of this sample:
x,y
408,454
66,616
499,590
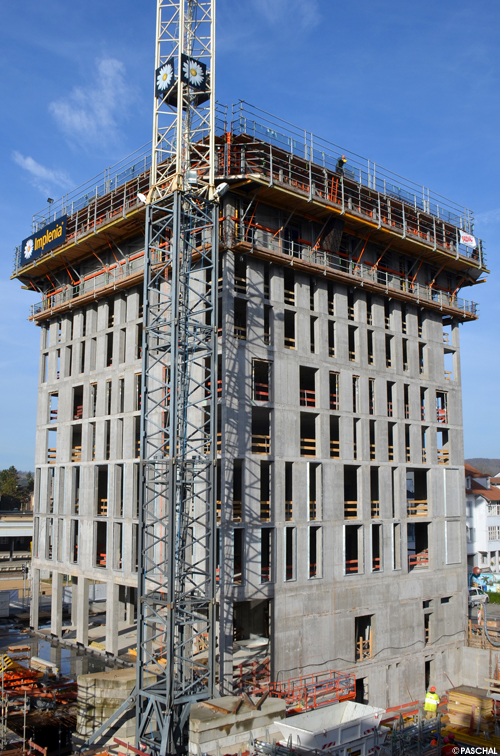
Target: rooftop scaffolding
x,y
252,143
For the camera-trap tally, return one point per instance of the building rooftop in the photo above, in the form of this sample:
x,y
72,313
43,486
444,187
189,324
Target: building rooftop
x,y
289,168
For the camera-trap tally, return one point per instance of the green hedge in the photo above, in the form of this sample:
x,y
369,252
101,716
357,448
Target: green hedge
x,y
494,598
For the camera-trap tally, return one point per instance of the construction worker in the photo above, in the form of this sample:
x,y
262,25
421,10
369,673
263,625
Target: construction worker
x,y
340,164
431,703
448,748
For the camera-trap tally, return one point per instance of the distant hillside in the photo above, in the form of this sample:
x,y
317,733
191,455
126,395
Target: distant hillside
x,y
489,466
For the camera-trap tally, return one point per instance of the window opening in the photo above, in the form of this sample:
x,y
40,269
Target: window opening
x,y
266,546
289,286
312,333
315,551
240,319
352,343
53,404
369,340
289,329
374,493
289,553
238,556
261,430
364,638
372,441
307,434
314,491
261,378
334,437
331,298
288,490
388,351
307,379
376,539
331,338
265,491
334,391
418,545
405,354
237,489
371,396
350,492
390,441
416,492
353,548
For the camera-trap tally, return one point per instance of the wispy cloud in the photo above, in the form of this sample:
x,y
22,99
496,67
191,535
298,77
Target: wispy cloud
x,y
490,216
305,15
89,114
44,179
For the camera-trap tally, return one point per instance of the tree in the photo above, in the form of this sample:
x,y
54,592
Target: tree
x,y
9,482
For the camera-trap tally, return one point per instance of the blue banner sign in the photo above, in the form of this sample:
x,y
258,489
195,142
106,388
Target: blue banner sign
x,y
43,241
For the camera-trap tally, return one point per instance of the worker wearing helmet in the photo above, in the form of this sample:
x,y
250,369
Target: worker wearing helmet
x,y
340,164
431,703
449,747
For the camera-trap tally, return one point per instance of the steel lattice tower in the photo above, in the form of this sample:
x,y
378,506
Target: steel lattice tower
x,y
176,623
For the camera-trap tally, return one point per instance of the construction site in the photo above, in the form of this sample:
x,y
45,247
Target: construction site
x,y
249,482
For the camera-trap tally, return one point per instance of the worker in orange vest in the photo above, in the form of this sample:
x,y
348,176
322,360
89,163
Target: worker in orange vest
x,y
431,703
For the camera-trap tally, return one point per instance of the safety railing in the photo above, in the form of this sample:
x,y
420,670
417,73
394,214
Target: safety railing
x,y
418,560
265,510
443,456
375,510
261,392
416,508
307,398
311,691
111,276
288,510
269,239
264,144
284,154
237,511
261,444
335,449
307,447
441,416
350,510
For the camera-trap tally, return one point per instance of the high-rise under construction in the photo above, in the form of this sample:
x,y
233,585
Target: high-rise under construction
x,y
340,505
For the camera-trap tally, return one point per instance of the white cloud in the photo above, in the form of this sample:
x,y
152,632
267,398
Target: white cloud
x,y
305,15
44,179
88,115
490,216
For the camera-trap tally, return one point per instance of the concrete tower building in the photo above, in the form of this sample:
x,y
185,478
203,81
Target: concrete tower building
x,y
341,514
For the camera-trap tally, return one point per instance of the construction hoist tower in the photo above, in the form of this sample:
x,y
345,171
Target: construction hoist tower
x,y
176,623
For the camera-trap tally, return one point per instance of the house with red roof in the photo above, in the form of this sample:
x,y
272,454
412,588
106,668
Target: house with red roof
x,y
482,520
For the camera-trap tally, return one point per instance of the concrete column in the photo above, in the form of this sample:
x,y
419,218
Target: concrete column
x,y
35,598
112,615
130,606
82,611
226,645
56,605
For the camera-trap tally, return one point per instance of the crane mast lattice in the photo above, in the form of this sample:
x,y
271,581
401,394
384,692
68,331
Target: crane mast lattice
x,y
176,622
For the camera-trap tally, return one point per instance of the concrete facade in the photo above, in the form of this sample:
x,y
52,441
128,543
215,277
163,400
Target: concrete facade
x,y
341,508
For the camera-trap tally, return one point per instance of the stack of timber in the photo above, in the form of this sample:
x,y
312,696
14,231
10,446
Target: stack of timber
x,y
472,708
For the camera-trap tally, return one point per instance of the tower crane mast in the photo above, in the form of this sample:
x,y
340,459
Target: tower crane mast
x,y
176,592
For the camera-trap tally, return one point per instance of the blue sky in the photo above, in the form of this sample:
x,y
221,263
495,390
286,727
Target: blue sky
x,y
412,86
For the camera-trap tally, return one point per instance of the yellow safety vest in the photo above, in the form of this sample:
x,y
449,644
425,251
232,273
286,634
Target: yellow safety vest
x,y
431,701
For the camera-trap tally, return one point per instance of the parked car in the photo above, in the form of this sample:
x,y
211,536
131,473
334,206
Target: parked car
x,y
478,596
